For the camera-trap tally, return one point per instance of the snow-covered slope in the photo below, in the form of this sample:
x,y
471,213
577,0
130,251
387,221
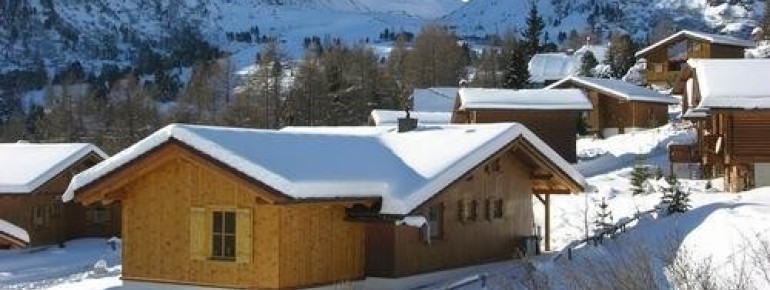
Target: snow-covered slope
x,y
634,16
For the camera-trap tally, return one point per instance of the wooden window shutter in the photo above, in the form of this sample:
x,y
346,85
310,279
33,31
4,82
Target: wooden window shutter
x,y
198,233
243,236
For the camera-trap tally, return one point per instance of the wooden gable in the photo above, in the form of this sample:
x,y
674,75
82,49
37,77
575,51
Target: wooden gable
x,y
108,188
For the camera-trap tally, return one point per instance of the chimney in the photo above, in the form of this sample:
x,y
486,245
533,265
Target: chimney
x,y
408,123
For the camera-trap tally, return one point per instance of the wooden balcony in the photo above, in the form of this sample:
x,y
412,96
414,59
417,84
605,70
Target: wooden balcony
x,y
664,77
678,153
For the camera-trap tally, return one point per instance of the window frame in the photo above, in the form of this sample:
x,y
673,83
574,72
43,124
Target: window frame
x,y
473,210
223,234
499,209
435,217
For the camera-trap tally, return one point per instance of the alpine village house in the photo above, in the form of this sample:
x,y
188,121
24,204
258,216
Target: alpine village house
x,y
618,106
303,206
551,114
32,179
728,101
666,57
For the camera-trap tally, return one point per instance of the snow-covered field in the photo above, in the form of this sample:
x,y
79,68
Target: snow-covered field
x,y
720,236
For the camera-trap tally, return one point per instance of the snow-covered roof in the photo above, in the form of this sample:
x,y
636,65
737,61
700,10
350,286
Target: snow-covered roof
x,y
438,99
708,37
733,83
550,66
13,231
26,166
535,99
618,89
696,113
390,117
555,66
404,169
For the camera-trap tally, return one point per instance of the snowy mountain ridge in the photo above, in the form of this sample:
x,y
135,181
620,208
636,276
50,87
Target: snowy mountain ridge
x,y
52,35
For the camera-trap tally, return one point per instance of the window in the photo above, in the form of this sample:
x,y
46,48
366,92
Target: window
x,y
436,220
473,210
97,215
461,210
657,67
487,209
499,207
223,235
38,216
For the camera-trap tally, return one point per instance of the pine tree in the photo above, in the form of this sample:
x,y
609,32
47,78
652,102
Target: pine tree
x,y
535,26
588,63
603,217
675,200
620,55
516,75
639,176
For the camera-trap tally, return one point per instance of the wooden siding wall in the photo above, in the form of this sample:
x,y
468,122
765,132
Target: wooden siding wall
x,y
292,245
557,128
318,246
748,138
725,51
610,112
71,222
474,241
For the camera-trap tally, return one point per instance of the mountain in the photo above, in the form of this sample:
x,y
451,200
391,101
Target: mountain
x,y
42,37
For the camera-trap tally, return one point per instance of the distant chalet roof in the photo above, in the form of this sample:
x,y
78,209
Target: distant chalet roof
x,y
707,37
535,99
390,117
618,89
403,169
26,166
733,83
437,99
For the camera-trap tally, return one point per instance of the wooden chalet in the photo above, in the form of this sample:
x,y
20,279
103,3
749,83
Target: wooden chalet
x,y
666,57
728,101
317,205
551,114
619,107
32,179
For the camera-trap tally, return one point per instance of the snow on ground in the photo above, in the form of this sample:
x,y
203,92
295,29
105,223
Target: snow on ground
x,y
39,268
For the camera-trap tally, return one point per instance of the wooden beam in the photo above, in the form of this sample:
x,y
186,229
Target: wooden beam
x,y
542,200
547,203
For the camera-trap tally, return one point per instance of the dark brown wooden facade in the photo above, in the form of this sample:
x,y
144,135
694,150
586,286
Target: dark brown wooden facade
x,y
558,128
50,221
664,70
483,217
731,143
613,115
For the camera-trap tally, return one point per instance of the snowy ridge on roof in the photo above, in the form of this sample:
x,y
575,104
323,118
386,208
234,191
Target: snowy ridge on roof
x,y
555,66
390,117
14,231
708,37
550,66
733,83
26,166
618,88
534,99
404,169
438,99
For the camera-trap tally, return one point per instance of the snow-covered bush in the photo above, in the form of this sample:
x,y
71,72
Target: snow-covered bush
x,y
636,74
